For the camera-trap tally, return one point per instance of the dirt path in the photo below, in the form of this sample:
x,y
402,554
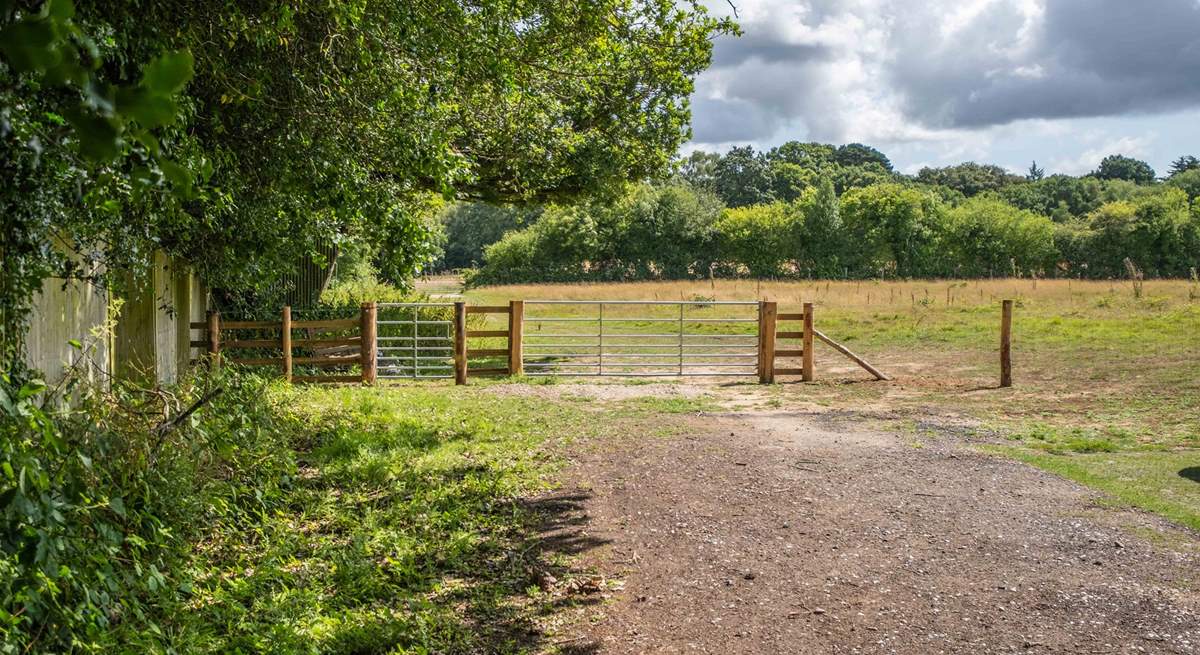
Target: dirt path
x,y
805,533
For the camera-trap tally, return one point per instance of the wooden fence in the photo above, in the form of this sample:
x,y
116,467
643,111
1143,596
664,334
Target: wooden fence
x,y
325,344
353,343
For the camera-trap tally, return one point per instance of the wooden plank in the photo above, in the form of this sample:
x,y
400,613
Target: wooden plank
x,y
198,344
488,352
251,343
331,324
248,325
460,343
327,378
285,341
806,363
487,333
317,343
326,360
788,371
487,309
516,327
879,375
197,325
254,361
1006,309
766,354
788,353
791,317
489,371
789,335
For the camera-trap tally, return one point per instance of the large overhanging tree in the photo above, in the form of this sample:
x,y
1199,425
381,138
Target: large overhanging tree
x,y
240,135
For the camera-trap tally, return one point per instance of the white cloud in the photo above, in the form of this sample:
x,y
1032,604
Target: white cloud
x,y
932,81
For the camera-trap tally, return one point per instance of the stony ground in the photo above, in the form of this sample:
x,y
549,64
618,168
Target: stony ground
x,y
762,531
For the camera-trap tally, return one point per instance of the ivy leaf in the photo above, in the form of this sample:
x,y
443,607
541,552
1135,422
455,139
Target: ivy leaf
x,y
169,73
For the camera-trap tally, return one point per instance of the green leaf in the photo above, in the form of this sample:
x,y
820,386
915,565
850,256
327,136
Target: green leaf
x,y
117,505
60,9
169,73
178,176
99,138
30,45
146,108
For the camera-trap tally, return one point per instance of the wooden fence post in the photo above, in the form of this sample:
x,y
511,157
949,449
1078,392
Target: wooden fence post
x,y
460,343
285,342
367,342
214,339
766,348
1006,308
806,362
516,328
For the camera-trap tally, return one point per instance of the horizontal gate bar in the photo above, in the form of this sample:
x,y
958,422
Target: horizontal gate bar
x,y
698,303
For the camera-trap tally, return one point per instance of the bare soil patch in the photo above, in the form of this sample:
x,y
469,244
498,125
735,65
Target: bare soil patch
x,y
806,532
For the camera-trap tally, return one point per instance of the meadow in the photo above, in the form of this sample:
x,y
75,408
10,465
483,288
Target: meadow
x,y
1107,387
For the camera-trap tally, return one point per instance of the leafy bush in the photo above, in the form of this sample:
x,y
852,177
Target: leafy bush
x,y
103,495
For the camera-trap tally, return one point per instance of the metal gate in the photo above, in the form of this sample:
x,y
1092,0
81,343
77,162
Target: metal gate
x,y
640,338
415,340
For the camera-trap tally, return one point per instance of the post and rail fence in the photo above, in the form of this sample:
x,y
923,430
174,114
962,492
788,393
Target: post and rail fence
x,y
539,338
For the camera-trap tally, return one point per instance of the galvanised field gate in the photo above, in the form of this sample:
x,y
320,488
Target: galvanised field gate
x,y
595,338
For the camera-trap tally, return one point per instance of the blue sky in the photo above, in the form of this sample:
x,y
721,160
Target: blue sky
x,y
938,82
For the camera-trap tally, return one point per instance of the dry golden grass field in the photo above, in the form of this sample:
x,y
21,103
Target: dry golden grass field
x,y
1107,381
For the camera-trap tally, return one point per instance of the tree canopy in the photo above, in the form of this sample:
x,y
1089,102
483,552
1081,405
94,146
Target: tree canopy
x,y
242,136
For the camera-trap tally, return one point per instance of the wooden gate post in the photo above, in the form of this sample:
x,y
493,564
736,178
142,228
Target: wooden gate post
x,y
806,361
769,311
214,340
516,328
1006,308
460,343
367,342
285,342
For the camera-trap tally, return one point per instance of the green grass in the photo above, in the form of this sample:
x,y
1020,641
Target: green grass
x,y
1163,482
402,532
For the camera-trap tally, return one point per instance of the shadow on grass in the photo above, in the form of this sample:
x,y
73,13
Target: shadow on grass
x,y
1190,473
400,539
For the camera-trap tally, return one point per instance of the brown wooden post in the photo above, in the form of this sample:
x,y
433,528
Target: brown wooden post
x,y
806,361
460,343
367,342
761,337
1006,308
766,330
214,339
285,342
516,327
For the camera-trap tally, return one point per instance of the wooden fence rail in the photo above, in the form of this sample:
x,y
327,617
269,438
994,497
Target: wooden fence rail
x,y
342,350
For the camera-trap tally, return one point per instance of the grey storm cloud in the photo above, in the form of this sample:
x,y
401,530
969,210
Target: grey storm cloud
x,y
947,64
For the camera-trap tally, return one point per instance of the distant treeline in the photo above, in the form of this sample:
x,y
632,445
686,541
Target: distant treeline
x,y
813,210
